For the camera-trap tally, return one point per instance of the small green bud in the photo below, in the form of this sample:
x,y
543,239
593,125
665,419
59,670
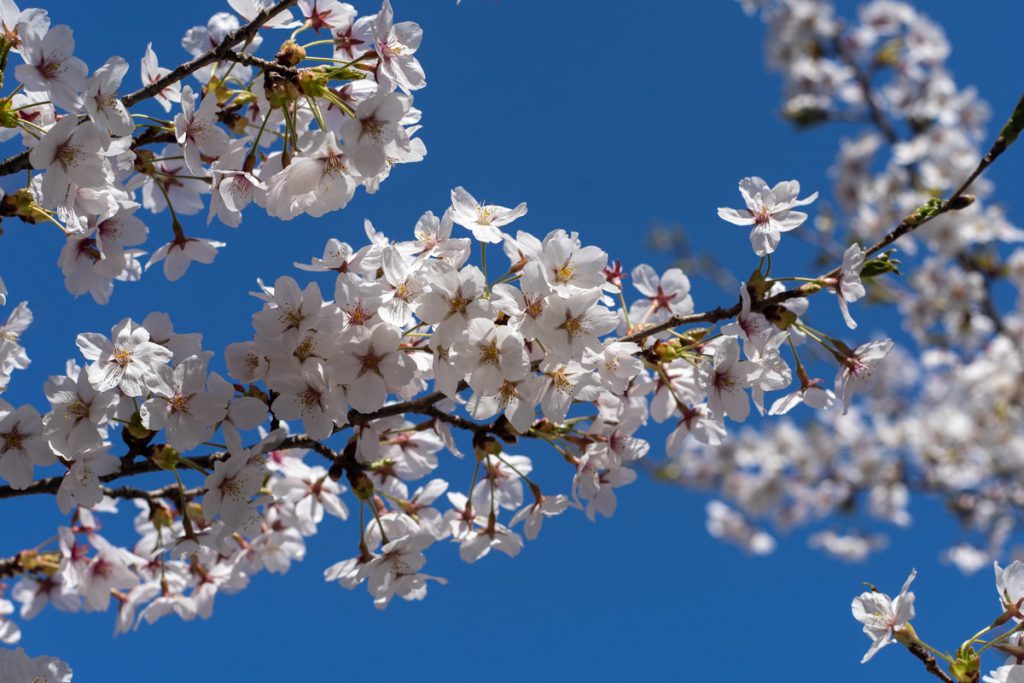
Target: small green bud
x,y
166,458
8,118
926,211
966,667
880,265
23,205
313,82
135,427
1013,126
757,285
161,516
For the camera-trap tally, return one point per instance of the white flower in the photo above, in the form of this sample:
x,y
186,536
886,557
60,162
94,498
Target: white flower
x,y
617,364
489,354
232,186
78,413
769,210
664,297
570,267
571,326
182,407
696,420
501,479
596,481
12,353
1009,673
50,66
128,363
396,45
321,180
151,72
179,254
310,492
856,368
372,128
197,132
883,616
452,300
70,153
1010,583
396,570
105,109
370,365
483,220
848,286
727,379
524,305
81,483
310,397
328,14
232,484
534,514
21,444
110,568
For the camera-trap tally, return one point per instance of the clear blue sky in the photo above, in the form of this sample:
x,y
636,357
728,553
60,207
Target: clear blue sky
x,y
604,117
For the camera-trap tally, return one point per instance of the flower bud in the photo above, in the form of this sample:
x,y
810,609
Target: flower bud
x,y
484,445
361,485
925,212
135,427
160,515
166,458
967,666
961,202
278,90
144,161
313,82
8,118
1012,128
290,54
881,264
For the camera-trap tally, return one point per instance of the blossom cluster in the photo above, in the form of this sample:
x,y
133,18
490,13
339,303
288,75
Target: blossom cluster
x,y
944,416
416,346
396,380
296,135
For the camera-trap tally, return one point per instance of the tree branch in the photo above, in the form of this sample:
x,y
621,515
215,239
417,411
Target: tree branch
x,y
260,63
147,465
929,661
877,116
912,222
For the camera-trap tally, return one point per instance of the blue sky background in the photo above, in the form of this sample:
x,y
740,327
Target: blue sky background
x,y
605,117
